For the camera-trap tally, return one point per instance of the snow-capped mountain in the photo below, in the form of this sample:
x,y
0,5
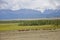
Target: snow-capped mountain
x,y
28,14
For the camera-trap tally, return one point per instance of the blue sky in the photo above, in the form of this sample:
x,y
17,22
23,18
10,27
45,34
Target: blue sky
x,y
39,5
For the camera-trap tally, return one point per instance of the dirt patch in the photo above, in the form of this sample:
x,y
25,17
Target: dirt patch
x,y
30,35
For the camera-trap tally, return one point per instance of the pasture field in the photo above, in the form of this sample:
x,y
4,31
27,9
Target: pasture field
x,y
23,25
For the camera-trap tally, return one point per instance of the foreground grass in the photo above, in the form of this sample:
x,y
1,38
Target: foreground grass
x,y
14,26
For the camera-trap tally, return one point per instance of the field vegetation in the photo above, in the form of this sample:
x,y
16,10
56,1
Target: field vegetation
x,y
23,25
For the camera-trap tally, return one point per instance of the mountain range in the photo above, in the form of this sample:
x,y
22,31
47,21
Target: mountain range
x,y
29,14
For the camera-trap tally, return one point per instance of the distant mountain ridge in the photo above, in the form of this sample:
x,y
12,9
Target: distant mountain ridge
x,y
28,14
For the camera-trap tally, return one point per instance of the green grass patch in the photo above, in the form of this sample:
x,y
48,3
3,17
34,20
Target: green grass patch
x,y
13,26
30,25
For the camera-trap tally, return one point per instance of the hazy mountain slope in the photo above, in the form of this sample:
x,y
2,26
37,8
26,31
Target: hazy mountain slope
x,y
28,13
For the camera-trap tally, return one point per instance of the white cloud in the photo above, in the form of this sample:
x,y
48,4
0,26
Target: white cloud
x,y
40,5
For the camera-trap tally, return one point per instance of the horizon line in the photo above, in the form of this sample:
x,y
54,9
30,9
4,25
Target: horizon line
x,y
30,19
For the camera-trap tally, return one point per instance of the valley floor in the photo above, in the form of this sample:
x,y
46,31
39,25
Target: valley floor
x,y
30,35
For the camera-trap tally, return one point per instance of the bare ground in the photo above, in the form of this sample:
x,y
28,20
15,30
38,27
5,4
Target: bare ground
x,y
30,35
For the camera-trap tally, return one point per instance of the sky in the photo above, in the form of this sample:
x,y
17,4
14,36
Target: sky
x,y
39,5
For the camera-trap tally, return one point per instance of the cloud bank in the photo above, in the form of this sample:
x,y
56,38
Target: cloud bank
x,y
40,5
